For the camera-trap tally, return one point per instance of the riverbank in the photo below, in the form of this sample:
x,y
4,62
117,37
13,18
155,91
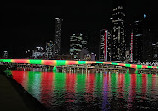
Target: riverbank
x,y
15,98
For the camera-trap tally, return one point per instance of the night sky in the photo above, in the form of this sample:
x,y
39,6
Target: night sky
x,y
27,25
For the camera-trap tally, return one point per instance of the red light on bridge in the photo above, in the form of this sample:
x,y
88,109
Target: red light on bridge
x,y
49,62
20,60
107,62
121,64
154,67
144,66
133,66
71,62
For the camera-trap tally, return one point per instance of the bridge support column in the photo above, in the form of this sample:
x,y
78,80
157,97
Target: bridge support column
x,y
133,71
54,68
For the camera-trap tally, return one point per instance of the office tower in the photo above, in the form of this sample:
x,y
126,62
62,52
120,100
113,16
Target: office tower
x,y
38,53
57,41
131,48
84,41
137,50
5,54
142,40
49,54
155,52
105,45
109,46
77,43
118,31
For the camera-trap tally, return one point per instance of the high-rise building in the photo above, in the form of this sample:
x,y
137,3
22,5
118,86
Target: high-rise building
x,y
155,52
109,46
77,43
57,41
5,54
142,40
137,32
118,31
131,48
49,54
105,45
38,53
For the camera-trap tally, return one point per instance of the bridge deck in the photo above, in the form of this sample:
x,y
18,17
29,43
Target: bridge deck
x,y
71,62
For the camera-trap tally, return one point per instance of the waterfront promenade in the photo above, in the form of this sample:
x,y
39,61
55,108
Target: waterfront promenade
x,y
12,98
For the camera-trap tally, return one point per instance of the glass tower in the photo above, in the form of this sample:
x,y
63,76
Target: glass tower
x,y
118,31
57,47
77,43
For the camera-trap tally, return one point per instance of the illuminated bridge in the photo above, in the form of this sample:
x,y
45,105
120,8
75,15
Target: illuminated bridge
x,y
71,62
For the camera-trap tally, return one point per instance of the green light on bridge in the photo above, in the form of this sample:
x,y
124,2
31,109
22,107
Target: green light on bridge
x,y
32,61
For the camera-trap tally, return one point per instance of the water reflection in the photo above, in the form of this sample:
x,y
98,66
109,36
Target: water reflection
x,y
75,91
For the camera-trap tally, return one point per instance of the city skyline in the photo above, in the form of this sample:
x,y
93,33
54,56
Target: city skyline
x,y
29,25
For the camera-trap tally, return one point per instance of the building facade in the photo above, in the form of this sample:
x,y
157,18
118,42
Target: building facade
x,y
109,46
142,40
5,54
49,52
105,45
137,41
155,52
118,31
38,53
77,43
57,41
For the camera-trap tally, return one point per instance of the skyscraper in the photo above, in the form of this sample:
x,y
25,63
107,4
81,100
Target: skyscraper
x,y
109,46
5,54
38,53
142,40
118,31
155,52
77,43
105,45
57,41
49,54
137,31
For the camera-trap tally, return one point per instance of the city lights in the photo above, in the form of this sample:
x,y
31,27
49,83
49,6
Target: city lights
x,y
79,56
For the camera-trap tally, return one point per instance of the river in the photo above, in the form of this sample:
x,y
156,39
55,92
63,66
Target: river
x,y
90,91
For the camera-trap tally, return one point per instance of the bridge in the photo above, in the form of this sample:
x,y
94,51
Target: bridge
x,y
72,62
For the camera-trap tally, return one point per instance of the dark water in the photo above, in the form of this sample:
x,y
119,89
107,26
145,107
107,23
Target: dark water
x,y
76,91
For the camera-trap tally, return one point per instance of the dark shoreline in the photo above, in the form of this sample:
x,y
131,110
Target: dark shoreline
x,y
31,103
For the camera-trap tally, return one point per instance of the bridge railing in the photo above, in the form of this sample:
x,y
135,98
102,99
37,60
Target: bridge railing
x,y
71,62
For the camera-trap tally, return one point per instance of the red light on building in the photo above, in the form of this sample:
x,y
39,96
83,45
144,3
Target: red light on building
x,y
105,45
131,48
